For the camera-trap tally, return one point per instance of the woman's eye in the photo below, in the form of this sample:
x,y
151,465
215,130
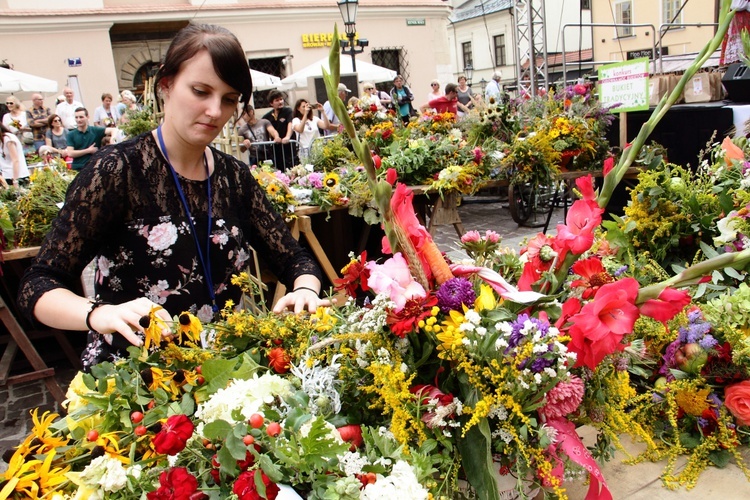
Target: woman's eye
x,y
199,92
231,100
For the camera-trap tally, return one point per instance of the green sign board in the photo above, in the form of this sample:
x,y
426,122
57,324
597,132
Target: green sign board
x,y
625,83
415,22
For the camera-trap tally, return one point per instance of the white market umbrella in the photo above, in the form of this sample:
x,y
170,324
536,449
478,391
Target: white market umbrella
x,y
14,82
264,81
366,72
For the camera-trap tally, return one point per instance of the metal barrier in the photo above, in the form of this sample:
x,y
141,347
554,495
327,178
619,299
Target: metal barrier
x,y
283,156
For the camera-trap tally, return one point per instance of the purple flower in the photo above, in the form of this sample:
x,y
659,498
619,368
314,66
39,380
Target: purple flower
x,y
455,292
620,270
521,329
708,342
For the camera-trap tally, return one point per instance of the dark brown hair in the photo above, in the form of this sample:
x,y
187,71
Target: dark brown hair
x,y
52,118
297,113
222,46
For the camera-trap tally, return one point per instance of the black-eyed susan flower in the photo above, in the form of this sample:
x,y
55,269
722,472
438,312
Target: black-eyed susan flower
x,y
190,327
154,328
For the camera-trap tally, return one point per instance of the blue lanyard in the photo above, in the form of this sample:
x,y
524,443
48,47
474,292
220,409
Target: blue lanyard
x,y
205,261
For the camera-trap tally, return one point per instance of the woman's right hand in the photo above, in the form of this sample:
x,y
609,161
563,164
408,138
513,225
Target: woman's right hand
x,y
125,319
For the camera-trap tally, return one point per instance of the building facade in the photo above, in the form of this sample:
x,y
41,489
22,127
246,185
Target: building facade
x,y
98,46
648,28
485,34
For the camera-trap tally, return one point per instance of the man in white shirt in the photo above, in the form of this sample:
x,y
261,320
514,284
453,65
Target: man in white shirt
x,y
66,110
493,88
333,120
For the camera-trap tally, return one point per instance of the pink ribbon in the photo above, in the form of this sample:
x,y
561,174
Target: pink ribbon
x,y
569,442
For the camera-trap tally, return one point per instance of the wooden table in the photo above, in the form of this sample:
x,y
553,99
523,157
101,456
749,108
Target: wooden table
x,y
20,338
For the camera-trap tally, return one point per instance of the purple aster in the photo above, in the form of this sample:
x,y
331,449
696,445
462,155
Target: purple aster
x,y
702,422
708,342
454,293
519,333
620,270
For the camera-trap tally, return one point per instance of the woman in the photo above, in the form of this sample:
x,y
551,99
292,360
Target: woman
x,y
307,125
15,119
56,139
12,159
371,95
106,115
402,97
256,130
127,105
435,91
465,95
167,218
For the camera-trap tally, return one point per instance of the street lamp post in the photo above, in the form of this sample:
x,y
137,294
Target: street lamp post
x,y
348,10
468,73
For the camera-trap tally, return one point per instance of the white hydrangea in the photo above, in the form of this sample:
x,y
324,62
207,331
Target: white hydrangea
x,y
106,474
248,396
402,483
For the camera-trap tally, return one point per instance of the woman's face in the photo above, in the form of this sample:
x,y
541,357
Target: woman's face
x,y
107,101
57,122
10,104
197,103
302,107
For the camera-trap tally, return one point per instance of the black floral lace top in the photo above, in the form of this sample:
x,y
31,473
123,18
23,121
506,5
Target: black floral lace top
x,y
124,210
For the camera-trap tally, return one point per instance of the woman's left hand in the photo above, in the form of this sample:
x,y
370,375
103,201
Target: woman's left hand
x,y
300,300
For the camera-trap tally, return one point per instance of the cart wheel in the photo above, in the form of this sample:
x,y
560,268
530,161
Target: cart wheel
x,y
521,201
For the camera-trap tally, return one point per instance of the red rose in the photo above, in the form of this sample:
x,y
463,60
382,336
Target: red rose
x,y
244,486
737,401
173,435
279,360
176,484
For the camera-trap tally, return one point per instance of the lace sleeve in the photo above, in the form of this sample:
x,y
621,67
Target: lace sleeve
x,y
93,205
270,236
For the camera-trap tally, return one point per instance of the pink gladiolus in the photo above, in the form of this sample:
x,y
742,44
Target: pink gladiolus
x,y
393,277
497,283
564,398
586,186
577,233
570,308
666,306
471,237
598,329
609,164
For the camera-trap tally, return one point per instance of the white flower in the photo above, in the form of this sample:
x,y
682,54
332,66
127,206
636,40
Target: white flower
x,y
105,473
473,317
728,227
248,396
402,483
351,463
162,236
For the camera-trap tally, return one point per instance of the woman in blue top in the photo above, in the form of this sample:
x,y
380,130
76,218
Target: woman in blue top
x,y
402,98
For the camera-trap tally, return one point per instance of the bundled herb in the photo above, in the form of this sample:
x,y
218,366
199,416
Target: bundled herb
x,y
39,206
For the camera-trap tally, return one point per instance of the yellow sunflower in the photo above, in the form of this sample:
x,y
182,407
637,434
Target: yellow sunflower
x,y
331,180
190,326
273,189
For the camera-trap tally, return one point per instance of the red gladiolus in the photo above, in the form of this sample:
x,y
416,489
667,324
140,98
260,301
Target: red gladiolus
x,y
377,161
609,164
602,323
351,433
171,439
279,360
666,306
586,186
176,484
244,487
577,233
391,176
570,308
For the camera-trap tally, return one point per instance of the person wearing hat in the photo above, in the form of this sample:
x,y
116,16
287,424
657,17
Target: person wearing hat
x,y
333,120
402,98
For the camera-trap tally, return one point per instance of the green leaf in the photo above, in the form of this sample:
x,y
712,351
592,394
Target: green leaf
x,y
218,429
236,447
217,373
720,458
271,469
371,216
187,404
689,441
247,368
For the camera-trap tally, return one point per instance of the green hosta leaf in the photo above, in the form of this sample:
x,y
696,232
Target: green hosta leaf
x,y
720,458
